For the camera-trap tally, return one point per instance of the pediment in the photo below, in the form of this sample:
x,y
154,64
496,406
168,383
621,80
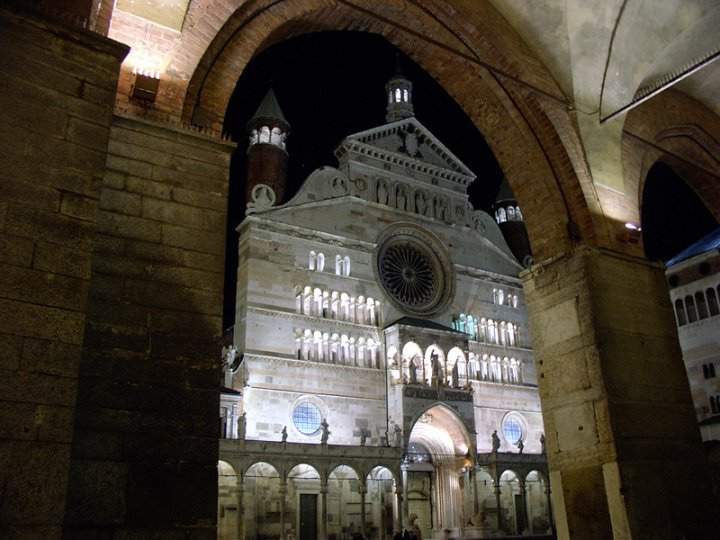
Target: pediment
x,y
410,139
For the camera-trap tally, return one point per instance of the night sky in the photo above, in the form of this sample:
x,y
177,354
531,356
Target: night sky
x,y
673,216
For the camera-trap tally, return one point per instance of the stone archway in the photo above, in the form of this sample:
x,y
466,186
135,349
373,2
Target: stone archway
x,y
441,433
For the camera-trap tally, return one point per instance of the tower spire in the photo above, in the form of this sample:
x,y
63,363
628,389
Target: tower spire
x,y
399,93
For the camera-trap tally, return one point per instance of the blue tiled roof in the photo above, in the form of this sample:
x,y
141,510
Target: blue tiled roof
x,y
705,244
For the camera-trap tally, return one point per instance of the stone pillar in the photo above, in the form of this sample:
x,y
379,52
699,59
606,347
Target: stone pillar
x,y
283,504
523,502
473,492
406,502
623,446
362,490
498,503
323,508
240,525
549,505
399,497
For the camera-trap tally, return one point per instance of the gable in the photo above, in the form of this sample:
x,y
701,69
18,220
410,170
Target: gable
x,y
411,140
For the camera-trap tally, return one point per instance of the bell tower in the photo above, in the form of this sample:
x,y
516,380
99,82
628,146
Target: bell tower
x,y
512,224
267,153
399,94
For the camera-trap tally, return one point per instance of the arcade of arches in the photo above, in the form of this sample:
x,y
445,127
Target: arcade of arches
x,y
113,211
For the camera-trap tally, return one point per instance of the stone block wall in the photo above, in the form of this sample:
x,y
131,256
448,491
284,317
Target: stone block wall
x,y
145,451
57,92
616,406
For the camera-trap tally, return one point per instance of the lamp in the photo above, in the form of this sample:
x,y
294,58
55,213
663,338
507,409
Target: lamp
x,y
144,87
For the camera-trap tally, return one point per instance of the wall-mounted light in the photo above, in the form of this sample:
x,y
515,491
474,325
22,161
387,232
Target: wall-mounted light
x,y
631,233
145,86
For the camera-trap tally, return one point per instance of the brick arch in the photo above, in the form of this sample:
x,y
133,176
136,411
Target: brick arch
x,y
544,166
683,134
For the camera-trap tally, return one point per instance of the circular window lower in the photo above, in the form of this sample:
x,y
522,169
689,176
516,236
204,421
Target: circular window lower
x,y
514,428
307,418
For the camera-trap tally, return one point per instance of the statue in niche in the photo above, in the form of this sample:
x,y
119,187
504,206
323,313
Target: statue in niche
x,y
455,376
363,436
495,441
413,372
543,448
242,425
400,198
382,193
440,210
398,436
520,446
420,203
283,433
437,369
325,431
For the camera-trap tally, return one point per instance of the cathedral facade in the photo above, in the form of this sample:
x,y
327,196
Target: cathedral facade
x,y
381,376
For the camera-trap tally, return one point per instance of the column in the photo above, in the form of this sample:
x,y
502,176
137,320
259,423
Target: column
x,y
362,490
406,502
399,496
283,503
549,505
240,525
500,520
473,488
523,502
615,399
323,508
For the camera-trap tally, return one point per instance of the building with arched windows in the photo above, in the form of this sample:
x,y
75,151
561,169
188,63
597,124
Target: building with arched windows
x,y
398,391
694,280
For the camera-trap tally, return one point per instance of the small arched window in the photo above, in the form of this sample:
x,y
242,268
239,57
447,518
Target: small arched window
x,y
501,216
711,369
680,312
312,258
338,265
690,309
320,262
518,214
706,371
712,302
265,134
701,305
713,405
511,213
501,297
398,95
346,266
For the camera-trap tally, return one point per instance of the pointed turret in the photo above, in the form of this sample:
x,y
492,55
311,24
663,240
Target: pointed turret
x,y
511,223
267,154
399,93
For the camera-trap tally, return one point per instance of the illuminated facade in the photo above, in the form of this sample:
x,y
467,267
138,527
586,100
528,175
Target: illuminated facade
x,y
387,378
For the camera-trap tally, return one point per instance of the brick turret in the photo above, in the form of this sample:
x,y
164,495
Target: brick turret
x,y
267,154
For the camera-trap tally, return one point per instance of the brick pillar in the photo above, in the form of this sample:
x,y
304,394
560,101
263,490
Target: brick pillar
x,y
623,444
56,96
